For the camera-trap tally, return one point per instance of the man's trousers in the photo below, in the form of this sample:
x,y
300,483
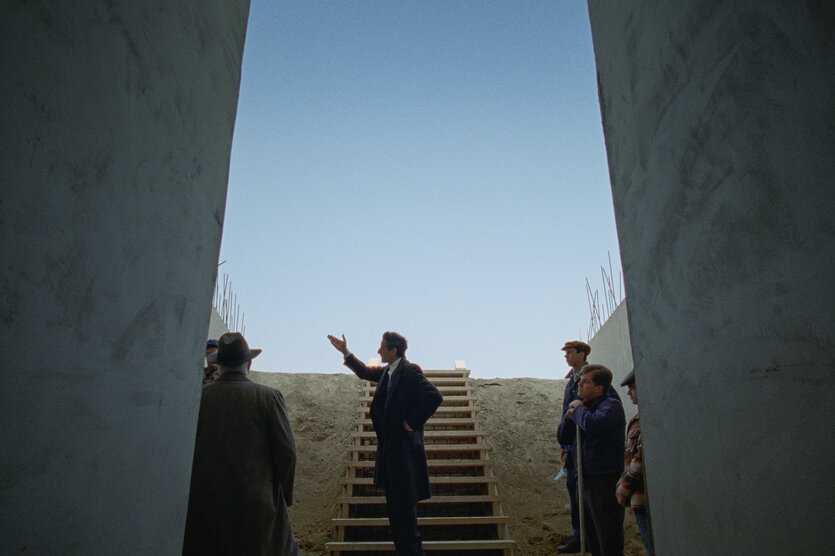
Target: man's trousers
x,y
403,524
571,486
603,515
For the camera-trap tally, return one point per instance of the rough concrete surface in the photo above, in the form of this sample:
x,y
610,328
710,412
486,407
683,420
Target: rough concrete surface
x,y
117,129
718,125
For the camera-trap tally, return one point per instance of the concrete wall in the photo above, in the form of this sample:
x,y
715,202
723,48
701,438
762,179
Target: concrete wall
x,y
610,346
718,119
117,125
217,327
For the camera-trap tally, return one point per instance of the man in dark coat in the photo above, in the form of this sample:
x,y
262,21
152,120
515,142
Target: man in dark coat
x,y
601,421
244,463
403,402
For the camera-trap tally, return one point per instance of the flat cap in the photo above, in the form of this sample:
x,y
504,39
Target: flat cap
x,y
630,379
578,345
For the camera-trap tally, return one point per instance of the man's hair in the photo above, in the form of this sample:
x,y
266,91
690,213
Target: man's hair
x,y
237,368
395,341
600,375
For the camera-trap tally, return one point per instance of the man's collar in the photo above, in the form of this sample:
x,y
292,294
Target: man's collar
x,y
394,364
233,375
575,374
594,400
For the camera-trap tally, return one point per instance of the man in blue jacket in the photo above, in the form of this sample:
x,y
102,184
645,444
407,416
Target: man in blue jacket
x,y
403,401
602,425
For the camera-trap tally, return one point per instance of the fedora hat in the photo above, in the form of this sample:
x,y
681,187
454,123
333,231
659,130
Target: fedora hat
x,y
232,349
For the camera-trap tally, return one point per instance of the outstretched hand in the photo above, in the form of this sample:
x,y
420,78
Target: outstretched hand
x,y
340,345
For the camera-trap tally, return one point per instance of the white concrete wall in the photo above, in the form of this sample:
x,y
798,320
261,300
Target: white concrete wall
x,y
610,347
217,327
117,123
718,119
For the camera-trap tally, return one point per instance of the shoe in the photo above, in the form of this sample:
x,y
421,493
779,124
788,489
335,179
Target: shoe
x,y
571,547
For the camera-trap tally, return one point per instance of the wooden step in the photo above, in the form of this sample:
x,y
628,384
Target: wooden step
x,y
448,400
449,381
370,546
426,434
447,397
433,373
434,421
433,463
430,447
426,521
441,384
369,388
434,479
440,411
436,499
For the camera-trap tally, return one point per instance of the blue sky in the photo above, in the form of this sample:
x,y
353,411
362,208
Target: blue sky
x,y
433,168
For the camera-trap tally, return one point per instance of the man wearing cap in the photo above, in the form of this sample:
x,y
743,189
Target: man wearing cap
x,y
403,401
576,354
210,372
601,421
244,463
630,490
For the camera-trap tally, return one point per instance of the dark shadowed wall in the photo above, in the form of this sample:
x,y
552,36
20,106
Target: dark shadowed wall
x,y
117,122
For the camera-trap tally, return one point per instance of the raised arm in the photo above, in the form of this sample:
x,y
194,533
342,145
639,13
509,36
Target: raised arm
x,y
340,345
360,369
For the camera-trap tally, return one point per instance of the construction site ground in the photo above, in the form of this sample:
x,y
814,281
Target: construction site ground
x,y
518,416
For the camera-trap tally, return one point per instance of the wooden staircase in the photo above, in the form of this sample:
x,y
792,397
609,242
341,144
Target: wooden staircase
x,y
464,515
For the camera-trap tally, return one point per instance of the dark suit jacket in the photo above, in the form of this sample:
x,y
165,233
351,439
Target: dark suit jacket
x,y
243,470
400,466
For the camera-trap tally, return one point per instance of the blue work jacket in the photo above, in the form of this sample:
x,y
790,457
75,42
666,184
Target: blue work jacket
x,y
603,426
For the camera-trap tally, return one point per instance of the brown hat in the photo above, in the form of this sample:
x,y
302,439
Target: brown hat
x,y
630,379
578,345
232,349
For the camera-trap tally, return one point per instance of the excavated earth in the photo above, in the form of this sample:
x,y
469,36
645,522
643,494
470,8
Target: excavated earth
x,y
519,416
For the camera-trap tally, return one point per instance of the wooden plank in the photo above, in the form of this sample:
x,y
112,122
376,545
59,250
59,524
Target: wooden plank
x,y
461,387
377,521
446,373
433,463
448,400
449,380
443,410
436,499
373,546
426,434
435,421
430,447
434,479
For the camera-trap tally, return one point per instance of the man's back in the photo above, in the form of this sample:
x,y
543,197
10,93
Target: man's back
x,y
242,476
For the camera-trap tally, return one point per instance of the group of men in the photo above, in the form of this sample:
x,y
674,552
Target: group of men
x,y
245,454
595,455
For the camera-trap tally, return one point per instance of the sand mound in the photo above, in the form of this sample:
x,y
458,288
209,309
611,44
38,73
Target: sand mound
x,y
520,415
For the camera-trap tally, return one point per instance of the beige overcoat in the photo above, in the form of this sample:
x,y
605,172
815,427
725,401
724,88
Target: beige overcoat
x,y
242,474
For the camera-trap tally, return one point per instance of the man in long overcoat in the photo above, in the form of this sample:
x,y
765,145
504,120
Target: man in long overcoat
x,y
403,401
244,463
